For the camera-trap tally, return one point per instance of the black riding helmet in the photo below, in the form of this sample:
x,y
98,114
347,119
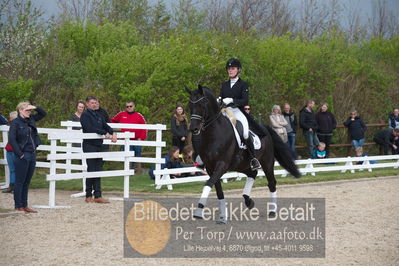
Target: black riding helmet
x,y
233,62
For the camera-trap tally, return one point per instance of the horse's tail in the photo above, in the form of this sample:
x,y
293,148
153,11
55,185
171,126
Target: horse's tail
x,y
283,154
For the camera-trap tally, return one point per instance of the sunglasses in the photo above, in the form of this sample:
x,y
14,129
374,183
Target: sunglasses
x,y
129,106
247,108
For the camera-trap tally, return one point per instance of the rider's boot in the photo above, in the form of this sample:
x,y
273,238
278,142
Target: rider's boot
x,y
250,146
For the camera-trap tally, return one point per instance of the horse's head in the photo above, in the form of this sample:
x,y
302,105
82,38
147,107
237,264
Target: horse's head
x,y
203,106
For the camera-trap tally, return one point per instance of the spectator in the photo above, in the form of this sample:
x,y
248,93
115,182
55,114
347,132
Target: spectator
x,y
80,107
291,128
24,141
75,117
103,113
130,116
393,119
3,120
326,123
172,160
247,109
179,125
10,159
356,128
278,123
386,139
320,152
93,122
187,161
307,122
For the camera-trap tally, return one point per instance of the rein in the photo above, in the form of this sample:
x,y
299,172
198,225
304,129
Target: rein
x,y
204,123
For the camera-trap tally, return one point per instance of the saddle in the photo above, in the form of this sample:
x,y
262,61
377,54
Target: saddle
x,y
239,131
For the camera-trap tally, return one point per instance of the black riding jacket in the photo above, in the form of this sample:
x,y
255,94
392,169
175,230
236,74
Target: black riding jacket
x,y
239,93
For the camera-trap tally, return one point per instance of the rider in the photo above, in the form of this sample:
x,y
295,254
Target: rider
x,y
234,94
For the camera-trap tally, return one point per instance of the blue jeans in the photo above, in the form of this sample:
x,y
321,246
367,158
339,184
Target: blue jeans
x,y
311,140
136,149
24,169
356,143
11,166
291,144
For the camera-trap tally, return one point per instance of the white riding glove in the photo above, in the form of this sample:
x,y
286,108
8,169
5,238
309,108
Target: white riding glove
x,y
219,99
227,101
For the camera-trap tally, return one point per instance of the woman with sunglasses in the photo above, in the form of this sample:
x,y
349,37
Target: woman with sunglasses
x,y
24,140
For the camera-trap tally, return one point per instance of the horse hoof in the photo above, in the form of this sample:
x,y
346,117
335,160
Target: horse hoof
x,y
198,214
249,203
221,220
272,214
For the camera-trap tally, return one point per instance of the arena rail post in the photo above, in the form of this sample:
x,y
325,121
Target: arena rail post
x,y
3,144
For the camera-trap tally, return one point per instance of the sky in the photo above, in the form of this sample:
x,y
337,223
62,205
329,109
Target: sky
x,y
365,7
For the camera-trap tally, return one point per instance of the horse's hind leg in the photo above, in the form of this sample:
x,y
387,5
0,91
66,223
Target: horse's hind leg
x,y
271,180
248,188
268,168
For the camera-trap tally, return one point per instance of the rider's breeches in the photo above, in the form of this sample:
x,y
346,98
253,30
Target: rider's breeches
x,y
241,117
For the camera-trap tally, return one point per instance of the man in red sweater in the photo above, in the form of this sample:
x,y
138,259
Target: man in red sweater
x,y
130,116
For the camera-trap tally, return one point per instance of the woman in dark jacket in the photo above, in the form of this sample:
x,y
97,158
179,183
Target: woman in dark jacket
x,y
179,125
356,129
24,140
326,123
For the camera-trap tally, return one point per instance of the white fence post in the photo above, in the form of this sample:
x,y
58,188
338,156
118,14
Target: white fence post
x,y
6,168
126,167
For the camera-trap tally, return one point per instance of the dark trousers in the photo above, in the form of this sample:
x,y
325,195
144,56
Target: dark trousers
x,y
24,169
327,140
178,143
383,144
93,165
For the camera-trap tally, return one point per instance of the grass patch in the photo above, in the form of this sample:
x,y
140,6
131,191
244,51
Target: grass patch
x,y
142,183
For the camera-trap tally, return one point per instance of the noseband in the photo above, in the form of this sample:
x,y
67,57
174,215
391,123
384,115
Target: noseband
x,y
204,124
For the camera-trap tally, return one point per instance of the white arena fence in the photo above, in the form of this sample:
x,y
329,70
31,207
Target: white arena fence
x,y
309,166
162,177
61,148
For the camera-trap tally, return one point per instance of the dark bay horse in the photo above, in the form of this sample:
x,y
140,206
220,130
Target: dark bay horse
x,y
220,152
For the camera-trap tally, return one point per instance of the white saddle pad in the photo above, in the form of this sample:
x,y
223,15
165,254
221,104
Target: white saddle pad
x,y
257,144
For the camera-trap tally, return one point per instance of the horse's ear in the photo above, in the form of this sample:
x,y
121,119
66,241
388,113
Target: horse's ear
x,y
188,90
200,90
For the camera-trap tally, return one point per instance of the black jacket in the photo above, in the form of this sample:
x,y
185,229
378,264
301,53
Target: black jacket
x,y
291,117
385,136
307,119
326,122
356,128
239,93
393,121
23,135
93,122
178,131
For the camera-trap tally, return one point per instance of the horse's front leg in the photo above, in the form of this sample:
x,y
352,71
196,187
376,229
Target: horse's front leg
x,y
215,176
222,203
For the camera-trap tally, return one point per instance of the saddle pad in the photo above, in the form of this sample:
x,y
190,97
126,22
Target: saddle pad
x,y
256,140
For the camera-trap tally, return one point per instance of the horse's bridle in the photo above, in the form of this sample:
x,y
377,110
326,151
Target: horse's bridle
x,y
204,124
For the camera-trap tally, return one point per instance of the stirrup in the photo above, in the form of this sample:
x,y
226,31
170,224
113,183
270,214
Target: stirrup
x,y
255,164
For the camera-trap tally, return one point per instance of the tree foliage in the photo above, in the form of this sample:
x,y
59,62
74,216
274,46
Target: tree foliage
x,y
133,51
